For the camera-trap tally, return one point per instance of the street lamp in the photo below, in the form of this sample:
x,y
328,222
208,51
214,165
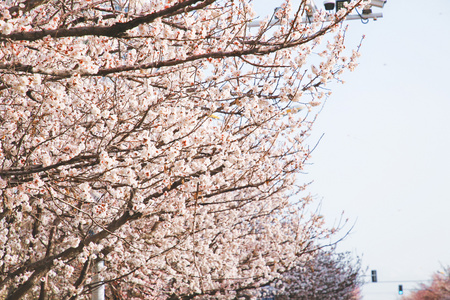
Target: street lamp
x,y
329,6
378,3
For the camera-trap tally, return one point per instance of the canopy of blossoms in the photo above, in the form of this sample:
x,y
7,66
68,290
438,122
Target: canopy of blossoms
x,y
161,137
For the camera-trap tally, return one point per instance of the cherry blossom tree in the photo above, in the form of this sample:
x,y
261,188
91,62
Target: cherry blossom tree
x,y
327,275
439,289
163,138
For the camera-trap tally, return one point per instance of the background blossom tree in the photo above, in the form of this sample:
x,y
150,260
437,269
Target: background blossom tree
x,y
162,137
327,275
439,289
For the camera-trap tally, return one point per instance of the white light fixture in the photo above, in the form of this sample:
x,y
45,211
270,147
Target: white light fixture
x,y
378,3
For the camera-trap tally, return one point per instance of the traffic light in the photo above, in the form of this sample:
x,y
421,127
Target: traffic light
x,y
374,275
400,289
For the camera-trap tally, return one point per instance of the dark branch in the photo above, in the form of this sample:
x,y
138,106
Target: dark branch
x,y
115,30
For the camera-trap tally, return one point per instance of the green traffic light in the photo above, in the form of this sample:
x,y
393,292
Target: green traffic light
x,y
400,289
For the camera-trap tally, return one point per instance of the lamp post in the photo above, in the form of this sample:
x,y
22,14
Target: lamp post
x,y
98,293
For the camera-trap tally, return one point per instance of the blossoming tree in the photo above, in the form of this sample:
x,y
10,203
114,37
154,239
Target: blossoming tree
x,y
161,137
327,275
437,288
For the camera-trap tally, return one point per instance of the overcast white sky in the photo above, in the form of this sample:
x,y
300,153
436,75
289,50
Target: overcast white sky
x,y
385,155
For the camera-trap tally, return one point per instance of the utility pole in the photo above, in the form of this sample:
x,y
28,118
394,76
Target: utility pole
x,y
98,293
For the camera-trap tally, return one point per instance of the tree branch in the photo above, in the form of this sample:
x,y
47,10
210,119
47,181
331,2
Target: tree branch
x,y
111,31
